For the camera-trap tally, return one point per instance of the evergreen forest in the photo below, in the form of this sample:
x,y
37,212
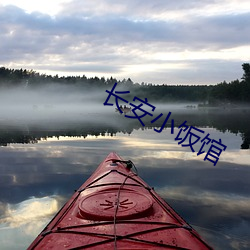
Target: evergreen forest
x,y
224,93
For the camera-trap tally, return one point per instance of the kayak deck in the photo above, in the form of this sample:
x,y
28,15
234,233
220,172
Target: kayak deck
x,y
116,209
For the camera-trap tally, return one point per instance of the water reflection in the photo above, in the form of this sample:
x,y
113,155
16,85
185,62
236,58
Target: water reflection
x,y
21,221
111,123
31,210
213,198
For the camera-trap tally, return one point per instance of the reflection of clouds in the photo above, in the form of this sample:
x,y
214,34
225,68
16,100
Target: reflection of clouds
x,y
146,143
2,209
25,220
41,162
226,240
228,203
238,157
175,155
165,147
213,193
222,219
29,212
142,143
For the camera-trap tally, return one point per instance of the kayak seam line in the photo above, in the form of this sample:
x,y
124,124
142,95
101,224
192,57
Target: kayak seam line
x,y
173,212
121,236
114,170
128,237
44,233
110,184
166,208
120,222
99,178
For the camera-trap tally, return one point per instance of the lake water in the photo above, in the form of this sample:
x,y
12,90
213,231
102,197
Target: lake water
x,y
44,158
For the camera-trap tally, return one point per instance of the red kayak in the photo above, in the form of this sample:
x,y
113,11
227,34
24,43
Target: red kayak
x,y
116,209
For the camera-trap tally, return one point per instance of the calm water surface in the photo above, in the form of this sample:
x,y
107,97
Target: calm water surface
x,y
41,165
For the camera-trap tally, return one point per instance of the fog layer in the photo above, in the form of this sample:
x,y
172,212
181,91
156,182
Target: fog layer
x,y
50,103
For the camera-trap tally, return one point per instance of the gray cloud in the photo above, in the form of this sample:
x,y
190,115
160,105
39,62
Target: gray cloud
x,y
132,8
108,39
225,29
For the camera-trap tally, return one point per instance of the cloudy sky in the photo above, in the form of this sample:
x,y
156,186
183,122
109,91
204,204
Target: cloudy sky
x,y
157,41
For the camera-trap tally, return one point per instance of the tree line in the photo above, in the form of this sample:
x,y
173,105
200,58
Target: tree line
x,y
236,91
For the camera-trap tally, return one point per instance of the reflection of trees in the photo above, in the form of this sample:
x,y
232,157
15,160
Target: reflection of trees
x,y
234,121
8,137
20,135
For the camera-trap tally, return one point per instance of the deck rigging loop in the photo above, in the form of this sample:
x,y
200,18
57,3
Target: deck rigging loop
x,y
129,164
130,174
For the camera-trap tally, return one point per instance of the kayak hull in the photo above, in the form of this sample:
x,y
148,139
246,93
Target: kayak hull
x,y
116,209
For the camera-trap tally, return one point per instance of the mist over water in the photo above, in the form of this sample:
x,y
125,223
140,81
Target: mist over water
x,y
51,103
64,110
64,104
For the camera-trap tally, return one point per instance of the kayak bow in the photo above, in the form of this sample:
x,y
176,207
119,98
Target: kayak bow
x,y
116,209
